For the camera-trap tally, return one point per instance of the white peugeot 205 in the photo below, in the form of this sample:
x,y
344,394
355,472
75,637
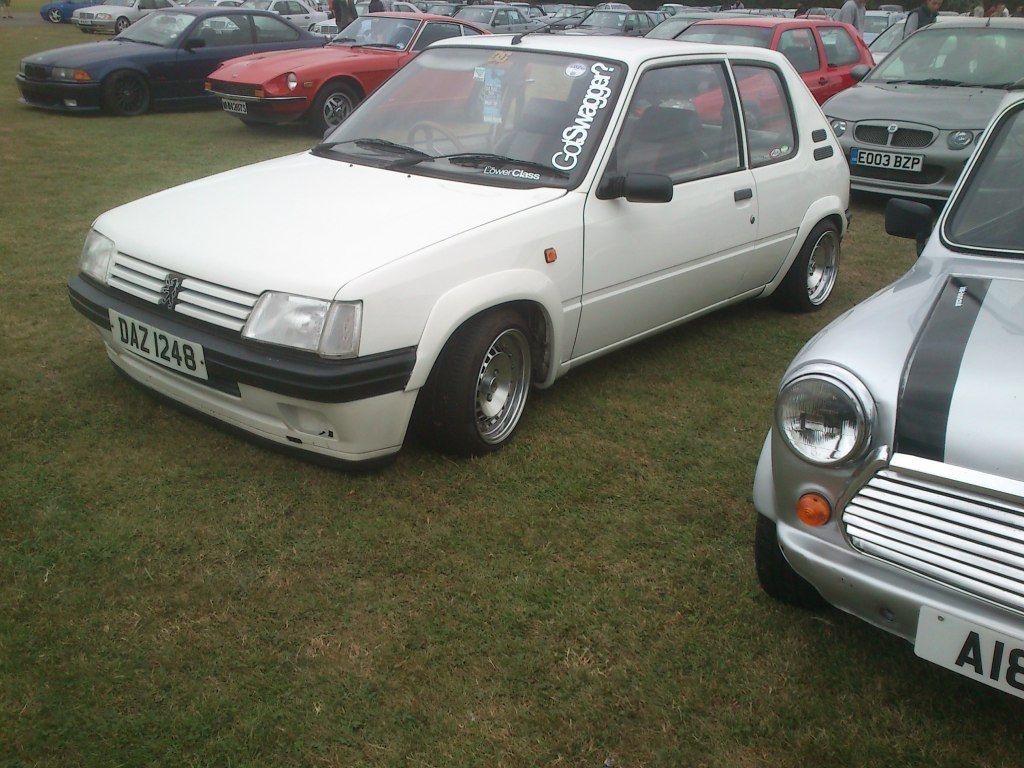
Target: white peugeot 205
x,y
561,198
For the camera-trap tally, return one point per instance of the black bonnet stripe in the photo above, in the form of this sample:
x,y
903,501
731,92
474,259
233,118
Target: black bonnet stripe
x,y
931,375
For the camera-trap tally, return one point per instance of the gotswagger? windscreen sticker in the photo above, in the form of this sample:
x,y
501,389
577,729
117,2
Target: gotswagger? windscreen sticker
x,y
574,137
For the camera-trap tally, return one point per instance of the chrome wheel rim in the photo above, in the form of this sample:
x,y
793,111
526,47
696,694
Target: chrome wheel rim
x,y
337,107
502,385
55,15
822,268
120,25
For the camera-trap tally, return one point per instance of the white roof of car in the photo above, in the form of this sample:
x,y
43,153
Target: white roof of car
x,y
629,50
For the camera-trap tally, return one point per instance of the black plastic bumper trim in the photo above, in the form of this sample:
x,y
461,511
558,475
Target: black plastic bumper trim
x,y
306,377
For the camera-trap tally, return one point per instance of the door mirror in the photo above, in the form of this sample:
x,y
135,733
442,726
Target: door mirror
x,y
859,72
905,218
637,188
194,42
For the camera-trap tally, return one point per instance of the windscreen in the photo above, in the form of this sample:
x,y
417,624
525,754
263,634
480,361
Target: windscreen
x,y
948,55
164,29
989,213
378,32
889,39
605,20
728,34
486,116
479,15
876,24
667,30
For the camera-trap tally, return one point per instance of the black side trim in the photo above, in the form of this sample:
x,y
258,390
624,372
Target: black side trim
x,y
821,153
819,134
228,359
934,366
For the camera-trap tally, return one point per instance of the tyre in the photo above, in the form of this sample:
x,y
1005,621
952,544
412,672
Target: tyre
x,y
477,390
776,576
55,16
812,276
121,25
126,93
333,104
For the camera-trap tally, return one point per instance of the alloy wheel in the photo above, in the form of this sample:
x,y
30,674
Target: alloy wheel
x,y
822,267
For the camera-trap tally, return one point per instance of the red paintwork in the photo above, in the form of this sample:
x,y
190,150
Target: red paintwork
x,y
367,68
824,82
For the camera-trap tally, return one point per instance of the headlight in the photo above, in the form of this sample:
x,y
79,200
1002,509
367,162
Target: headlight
x,y
21,67
823,419
838,126
67,73
329,328
959,139
96,255
103,17
292,80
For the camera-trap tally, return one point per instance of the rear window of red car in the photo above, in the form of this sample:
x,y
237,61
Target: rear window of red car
x,y
728,34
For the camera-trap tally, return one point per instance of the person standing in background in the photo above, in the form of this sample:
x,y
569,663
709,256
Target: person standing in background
x,y
5,7
376,6
922,16
852,13
344,12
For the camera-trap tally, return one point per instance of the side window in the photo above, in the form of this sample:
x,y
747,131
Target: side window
x,y
771,137
433,32
147,5
281,7
501,18
298,8
467,31
681,123
270,30
799,47
839,46
218,31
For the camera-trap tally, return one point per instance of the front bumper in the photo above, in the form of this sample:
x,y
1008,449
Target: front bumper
x,y
266,109
104,27
61,97
878,592
940,172
348,410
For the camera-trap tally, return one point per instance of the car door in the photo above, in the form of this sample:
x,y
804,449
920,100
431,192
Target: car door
x,y
800,46
775,160
501,21
223,37
842,53
647,265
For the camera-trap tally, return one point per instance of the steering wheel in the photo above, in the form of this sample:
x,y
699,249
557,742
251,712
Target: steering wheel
x,y
431,133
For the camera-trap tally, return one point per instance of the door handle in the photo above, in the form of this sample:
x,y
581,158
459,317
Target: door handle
x,y
742,194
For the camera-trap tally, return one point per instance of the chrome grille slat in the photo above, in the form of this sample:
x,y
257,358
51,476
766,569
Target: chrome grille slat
x,y
922,521
215,304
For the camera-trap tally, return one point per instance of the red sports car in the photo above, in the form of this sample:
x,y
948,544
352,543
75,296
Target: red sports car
x,y
823,52
322,86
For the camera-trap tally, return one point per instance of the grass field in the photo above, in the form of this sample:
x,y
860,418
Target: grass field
x,y
171,595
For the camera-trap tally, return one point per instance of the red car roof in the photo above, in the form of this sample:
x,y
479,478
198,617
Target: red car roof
x,y
770,21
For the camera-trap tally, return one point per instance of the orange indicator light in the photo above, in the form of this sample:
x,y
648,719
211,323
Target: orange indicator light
x,y
550,254
813,509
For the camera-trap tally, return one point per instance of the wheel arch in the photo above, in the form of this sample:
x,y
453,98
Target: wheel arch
x,y
829,208
349,80
528,292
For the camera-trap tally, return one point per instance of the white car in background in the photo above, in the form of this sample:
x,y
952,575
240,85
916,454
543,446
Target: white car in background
x,y
606,189
390,6
328,28
296,11
116,16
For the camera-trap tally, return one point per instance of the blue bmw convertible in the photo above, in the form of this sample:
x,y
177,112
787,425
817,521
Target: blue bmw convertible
x,y
60,12
161,60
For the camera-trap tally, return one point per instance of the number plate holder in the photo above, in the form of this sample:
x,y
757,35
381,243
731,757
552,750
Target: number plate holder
x,y
157,346
236,107
893,161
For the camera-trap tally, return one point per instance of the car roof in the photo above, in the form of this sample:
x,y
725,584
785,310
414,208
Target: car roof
x,y
974,21
768,21
633,51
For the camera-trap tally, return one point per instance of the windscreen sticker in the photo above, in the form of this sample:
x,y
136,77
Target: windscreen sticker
x,y
511,173
499,57
576,69
479,72
493,86
574,137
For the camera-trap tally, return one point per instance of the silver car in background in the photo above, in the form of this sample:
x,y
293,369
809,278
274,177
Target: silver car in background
x,y
891,483
910,126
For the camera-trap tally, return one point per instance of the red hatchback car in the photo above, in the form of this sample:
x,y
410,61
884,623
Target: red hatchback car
x,y
822,51
322,86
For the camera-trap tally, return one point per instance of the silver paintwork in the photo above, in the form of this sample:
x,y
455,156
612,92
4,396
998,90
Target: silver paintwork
x,y
954,510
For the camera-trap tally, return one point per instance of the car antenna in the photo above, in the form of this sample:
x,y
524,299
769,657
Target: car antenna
x,y
519,38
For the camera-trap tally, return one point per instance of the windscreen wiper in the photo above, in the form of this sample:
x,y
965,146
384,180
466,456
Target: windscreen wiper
x,y
926,81
394,46
321,150
476,159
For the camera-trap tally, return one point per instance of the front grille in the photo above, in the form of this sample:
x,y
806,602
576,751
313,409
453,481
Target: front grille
x,y
234,89
86,15
36,72
929,174
872,134
204,301
969,540
912,137
901,137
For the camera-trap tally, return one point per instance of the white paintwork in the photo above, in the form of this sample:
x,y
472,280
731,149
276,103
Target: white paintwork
x,y
303,19
131,12
624,270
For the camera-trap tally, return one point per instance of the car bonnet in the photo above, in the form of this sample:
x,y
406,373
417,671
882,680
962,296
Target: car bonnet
x,y
948,107
303,224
